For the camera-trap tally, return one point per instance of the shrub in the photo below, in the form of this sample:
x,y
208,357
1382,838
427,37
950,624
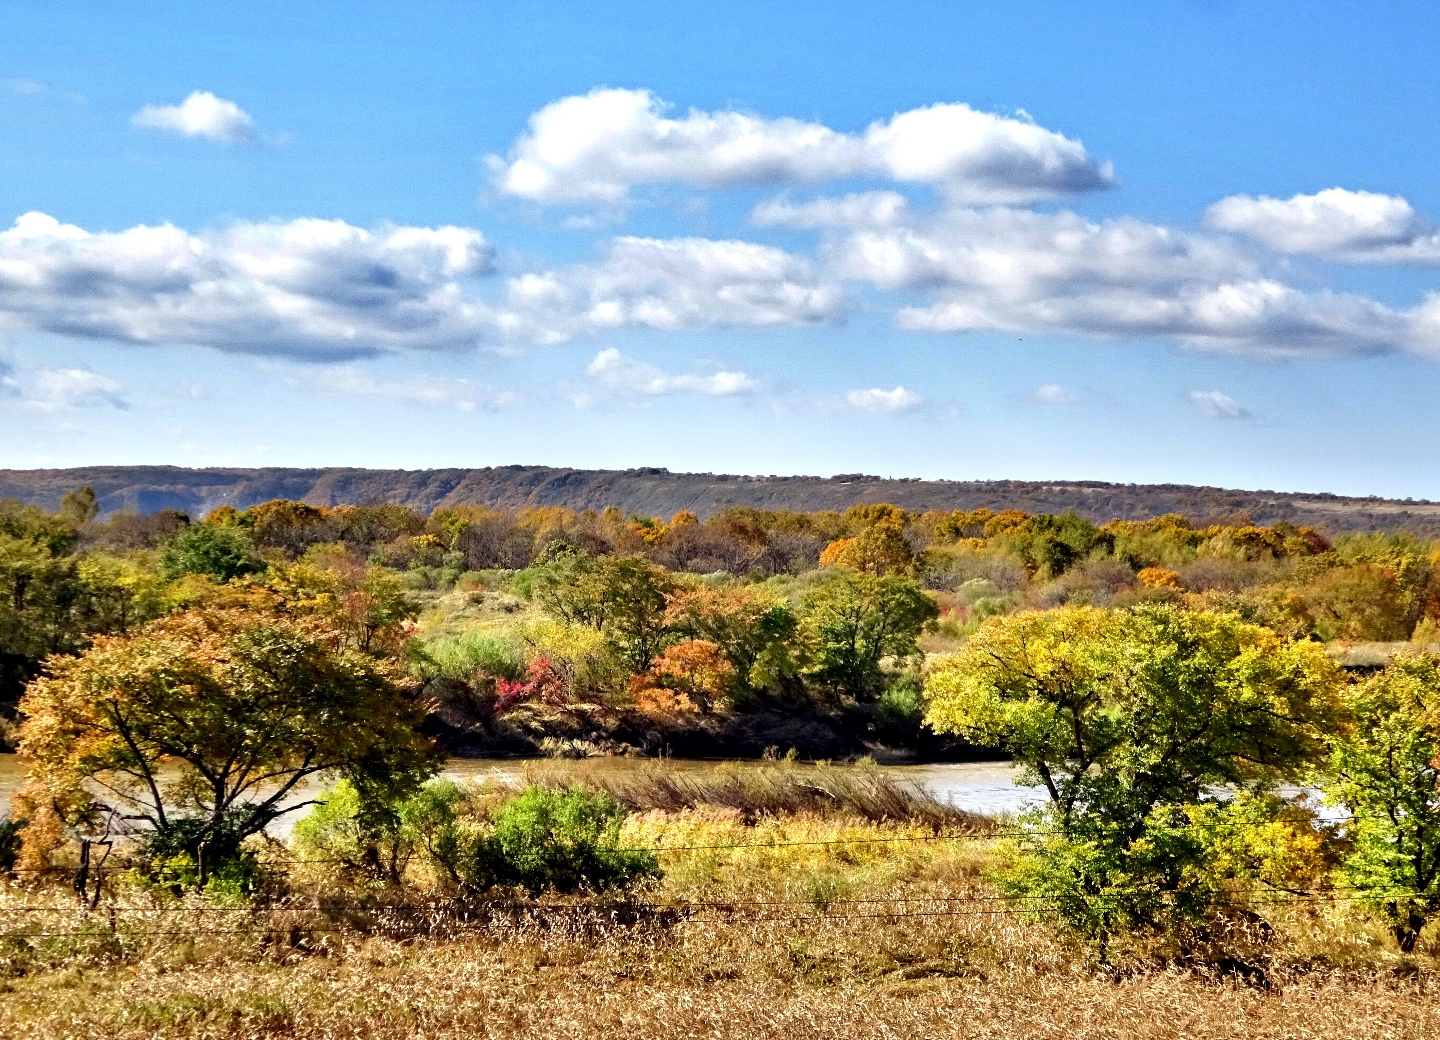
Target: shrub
x,y
565,841
1133,720
473,653
221,553
901,709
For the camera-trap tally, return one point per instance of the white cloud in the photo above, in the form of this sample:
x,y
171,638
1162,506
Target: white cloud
x,y
1355,226
459,394
593,148
616,372
52,389
25,86
9,385
1017,270
1054,393
326,290
867,209
202,114
669,285
306,288
1218,406
883,402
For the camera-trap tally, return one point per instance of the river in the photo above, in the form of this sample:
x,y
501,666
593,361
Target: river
x,y
982,787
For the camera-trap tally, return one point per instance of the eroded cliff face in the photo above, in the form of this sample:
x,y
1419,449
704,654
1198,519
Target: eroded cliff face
x,y
658,492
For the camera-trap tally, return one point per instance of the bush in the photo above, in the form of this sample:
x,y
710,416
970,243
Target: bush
x,y
565,841
10,842
196,853
473,653
221,553
900,710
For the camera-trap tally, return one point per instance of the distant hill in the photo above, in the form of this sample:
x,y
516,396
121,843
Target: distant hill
x,y
658,492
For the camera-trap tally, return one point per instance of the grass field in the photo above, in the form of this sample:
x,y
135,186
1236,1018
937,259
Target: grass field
x,y
837,926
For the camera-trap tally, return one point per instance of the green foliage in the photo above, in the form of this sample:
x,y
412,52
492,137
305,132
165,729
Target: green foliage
x,y
218,552
621,596
540,840
900,711
378,838
51,601
562,841
1050,544
1386,771
481,652
1171,872
1131,719
853,620
203,852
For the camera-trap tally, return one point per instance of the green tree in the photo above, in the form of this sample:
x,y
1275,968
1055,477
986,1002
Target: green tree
x,y
621,596
78,507
201,726
1131,720
219,552
40,593
1049,545
853,621
1386,770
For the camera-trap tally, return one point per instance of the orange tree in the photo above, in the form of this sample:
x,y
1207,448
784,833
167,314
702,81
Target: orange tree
x,y
203,727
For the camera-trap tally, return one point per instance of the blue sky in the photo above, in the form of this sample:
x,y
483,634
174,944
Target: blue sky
x,y
1186,242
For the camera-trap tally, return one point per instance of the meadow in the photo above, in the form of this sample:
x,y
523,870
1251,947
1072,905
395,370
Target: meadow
x,y
766,923
233,820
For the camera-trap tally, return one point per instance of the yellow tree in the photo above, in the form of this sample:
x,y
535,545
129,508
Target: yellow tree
x,y
201,727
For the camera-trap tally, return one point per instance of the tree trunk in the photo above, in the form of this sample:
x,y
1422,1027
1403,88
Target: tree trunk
x,y
1407,932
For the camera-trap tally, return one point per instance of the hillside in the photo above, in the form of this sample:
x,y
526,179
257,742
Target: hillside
x,y
658,492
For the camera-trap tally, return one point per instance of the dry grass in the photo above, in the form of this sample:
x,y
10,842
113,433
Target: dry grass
x,y
757,792
787,945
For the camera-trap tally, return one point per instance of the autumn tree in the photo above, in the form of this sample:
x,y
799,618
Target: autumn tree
x,y
853,621
1386,771
1132,721
202,728
689,676
751,628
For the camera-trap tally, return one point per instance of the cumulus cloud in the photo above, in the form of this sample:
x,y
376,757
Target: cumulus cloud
x,y
867,209
1054,393
616,372
1012,270
305,288
883,402
594,148
52,389
326,290
1218,406
202,114
429,391
670,284
1354,226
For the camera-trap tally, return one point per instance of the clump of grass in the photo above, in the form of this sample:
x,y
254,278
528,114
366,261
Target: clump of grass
x,y
767,792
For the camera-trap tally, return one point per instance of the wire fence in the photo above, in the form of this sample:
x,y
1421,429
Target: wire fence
x,y
450,914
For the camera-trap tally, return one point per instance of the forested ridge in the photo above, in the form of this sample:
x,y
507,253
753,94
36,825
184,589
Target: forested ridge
x,y
658,492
